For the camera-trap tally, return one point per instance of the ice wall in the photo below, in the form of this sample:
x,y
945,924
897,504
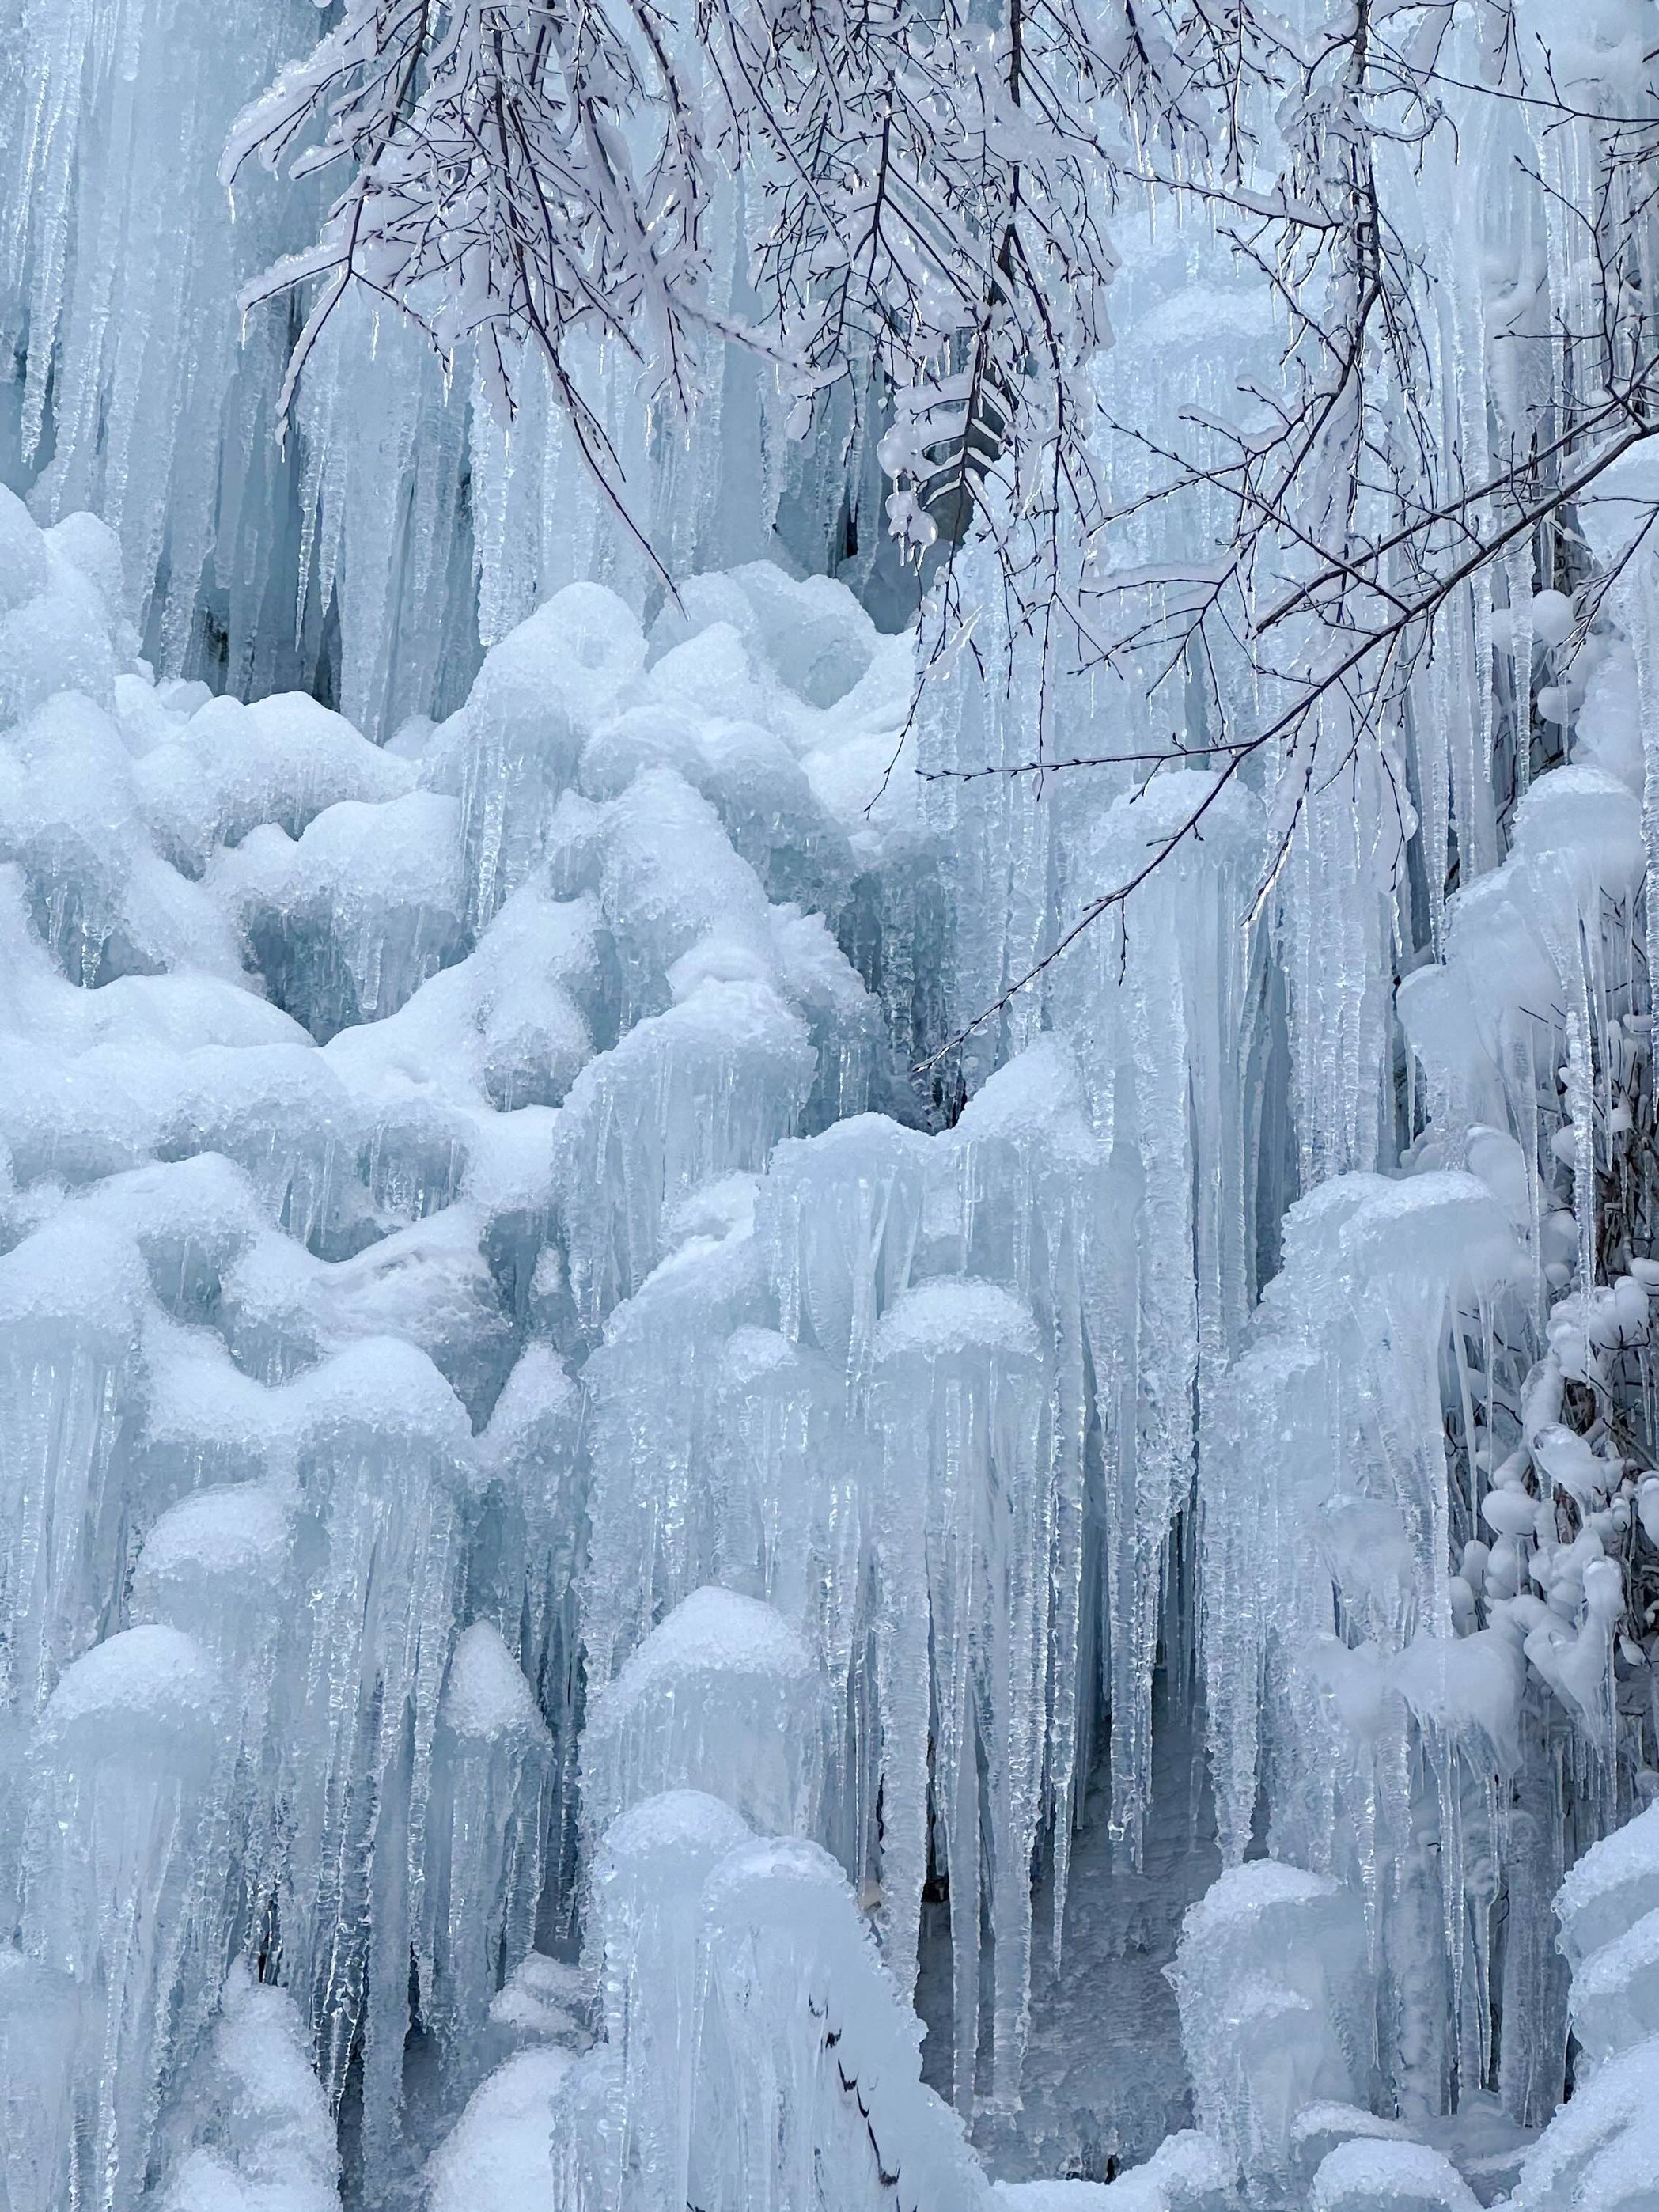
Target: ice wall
x,y
287,1333
445,1395
570,1539
493,1337
410,1192
478,1361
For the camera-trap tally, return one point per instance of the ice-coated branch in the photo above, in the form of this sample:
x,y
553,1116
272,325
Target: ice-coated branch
x,y
516,176
1360,674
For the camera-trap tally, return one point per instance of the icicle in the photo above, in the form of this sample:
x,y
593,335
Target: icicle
x,y
635,1140
647,1888
966,1516
723,1697
655,1523
807,2057
840,1217
1270,1978
377,1546
69,1317
39,2028
123,1880
486,1841
1158,1025
1028,1173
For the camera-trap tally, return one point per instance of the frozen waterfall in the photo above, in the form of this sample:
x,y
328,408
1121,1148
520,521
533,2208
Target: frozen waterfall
x,y
619,1590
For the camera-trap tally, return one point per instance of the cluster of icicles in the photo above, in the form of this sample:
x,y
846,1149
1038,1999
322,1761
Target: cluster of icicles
x,y
530,1510
422,1323
545,1501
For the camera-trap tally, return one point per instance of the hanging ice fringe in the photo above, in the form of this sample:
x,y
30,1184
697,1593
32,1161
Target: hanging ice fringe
x,y
725,1326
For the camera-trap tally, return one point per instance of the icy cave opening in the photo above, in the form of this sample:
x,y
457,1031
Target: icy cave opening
x,y
621,1588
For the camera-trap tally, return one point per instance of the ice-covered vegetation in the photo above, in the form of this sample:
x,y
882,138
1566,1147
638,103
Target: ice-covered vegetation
x,y
718,1487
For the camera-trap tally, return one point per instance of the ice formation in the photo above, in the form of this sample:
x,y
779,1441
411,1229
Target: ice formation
x,y
581,1550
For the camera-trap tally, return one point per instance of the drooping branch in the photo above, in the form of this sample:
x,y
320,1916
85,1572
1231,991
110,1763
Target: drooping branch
x,y
929,199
